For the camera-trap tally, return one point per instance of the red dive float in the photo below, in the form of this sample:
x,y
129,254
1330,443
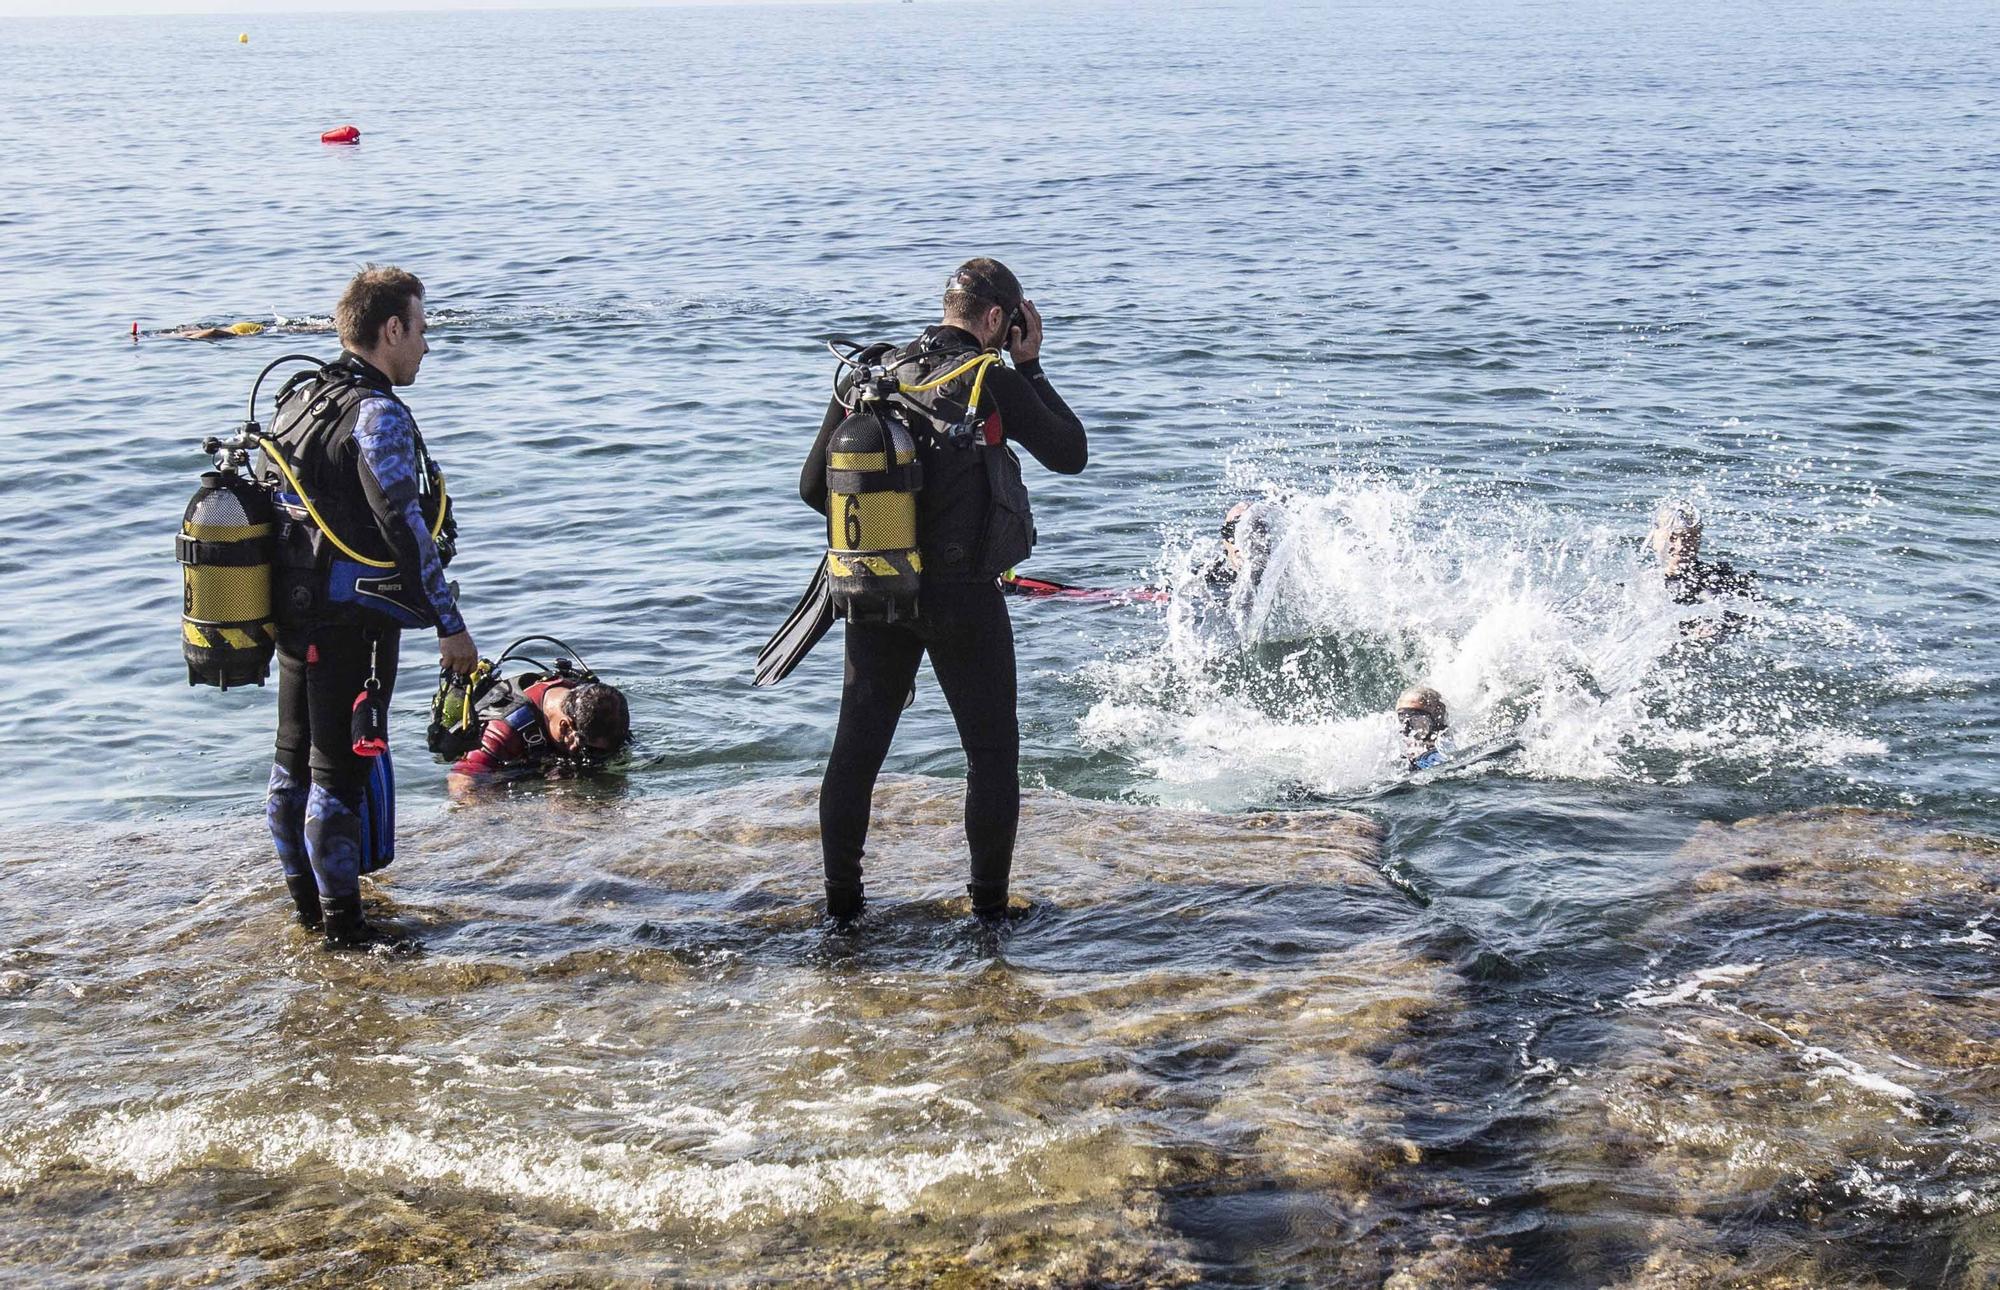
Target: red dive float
x,y
342,134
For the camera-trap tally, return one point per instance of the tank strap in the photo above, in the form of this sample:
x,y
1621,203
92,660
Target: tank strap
x,y
906,478
240,553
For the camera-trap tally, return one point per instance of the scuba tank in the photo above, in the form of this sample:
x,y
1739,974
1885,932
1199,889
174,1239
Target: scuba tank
x,y
227,547
873,566
227,631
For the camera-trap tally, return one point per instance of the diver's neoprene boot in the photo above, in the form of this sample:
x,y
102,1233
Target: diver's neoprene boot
x,y
346,929
305,895
844,902
989,905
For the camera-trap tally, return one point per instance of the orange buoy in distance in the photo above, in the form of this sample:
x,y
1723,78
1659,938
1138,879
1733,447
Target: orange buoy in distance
x,y
342,134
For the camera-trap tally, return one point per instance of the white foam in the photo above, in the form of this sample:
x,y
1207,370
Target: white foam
x,y
626,1185
1855,1073
1697,988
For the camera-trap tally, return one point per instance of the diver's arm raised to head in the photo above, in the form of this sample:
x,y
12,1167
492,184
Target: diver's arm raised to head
x,y
1033,415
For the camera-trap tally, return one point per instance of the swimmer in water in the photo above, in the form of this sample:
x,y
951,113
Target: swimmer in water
x,y
1676,540
1247,538
231,332
1421,713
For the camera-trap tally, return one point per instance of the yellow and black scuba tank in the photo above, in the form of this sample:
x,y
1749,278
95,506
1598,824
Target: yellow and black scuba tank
x,y
227,631
873,566
227,547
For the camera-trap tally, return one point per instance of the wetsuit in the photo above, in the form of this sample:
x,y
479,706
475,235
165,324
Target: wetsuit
x,y
962,624
1698,582
330,811
516,738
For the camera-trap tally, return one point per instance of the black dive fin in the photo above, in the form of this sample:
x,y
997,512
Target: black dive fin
x,y
810,619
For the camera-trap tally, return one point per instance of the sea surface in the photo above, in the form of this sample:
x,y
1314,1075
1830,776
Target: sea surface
x,y
1697,989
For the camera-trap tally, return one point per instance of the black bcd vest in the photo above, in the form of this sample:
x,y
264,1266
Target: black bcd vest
x,y
314,425
973,517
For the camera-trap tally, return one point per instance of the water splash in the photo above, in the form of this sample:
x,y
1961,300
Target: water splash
x,y
1530,621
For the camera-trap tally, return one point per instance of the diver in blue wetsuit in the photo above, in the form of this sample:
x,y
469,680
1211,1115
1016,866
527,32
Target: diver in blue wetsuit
x,y
364,533
1421,713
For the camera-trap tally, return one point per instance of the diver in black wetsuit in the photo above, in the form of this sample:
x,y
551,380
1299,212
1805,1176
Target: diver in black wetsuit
x,y
1248,534
1676,540
972,526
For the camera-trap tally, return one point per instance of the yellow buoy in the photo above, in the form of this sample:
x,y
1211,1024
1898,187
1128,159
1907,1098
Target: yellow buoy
x,y
243,39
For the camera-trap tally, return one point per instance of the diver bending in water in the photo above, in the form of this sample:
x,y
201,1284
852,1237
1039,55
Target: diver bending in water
x,y
538,721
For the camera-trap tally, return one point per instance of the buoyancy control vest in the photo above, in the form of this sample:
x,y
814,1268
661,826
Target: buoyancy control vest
x,y
508,701
333,561
973,517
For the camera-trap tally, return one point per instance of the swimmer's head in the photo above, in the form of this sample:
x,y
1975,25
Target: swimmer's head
x,y
1676,535
1246,537
1421,713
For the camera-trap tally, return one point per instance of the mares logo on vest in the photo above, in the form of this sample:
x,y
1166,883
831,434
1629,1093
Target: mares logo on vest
x,y
358,587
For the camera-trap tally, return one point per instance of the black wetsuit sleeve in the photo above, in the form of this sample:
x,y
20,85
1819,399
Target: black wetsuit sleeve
x,y
1033,415
812,479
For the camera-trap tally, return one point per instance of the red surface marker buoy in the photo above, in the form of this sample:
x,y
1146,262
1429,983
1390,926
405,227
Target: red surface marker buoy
x,y
342,134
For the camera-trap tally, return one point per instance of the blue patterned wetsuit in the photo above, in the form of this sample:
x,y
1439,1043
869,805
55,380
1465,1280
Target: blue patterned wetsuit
x,y
386,434
330,810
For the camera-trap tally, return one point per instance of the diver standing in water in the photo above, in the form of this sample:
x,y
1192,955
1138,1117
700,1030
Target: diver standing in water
x,y
961,406
364,533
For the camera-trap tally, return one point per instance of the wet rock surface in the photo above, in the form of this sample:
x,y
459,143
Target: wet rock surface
x,y
1213,1049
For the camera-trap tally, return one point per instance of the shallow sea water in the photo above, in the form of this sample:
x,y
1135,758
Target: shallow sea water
x,y
1698,989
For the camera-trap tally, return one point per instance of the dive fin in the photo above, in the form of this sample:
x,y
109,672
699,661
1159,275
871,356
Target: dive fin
x,y
809,621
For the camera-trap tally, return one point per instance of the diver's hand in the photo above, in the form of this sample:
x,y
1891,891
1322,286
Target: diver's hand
x,y
1024,343
458,654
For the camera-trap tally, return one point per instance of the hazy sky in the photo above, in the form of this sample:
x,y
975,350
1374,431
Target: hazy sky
x,y
70,8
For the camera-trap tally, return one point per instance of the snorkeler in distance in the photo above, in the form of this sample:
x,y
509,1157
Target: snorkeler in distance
x,y
231,332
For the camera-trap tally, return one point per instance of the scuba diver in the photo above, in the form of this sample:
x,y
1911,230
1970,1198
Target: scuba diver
x,y
1247,538
949,392
1676,540
364,533
1421,713
558,716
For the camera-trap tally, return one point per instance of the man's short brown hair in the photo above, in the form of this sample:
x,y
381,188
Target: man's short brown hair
x,y
378,293
979,285
603,720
